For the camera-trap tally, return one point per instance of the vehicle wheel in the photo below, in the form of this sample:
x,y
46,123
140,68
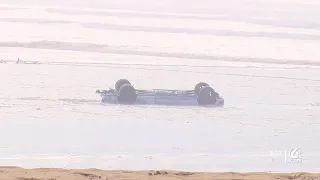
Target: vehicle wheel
x,y
121,82
127,94
198,87
207,96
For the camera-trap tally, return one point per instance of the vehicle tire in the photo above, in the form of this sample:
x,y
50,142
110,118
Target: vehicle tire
x,y
127,94
207,96
121,82
198,87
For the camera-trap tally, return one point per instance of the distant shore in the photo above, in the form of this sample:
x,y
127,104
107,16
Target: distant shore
x,y
16,173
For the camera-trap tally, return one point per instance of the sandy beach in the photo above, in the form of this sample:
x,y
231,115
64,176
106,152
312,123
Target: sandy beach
x,y
261,56
16,173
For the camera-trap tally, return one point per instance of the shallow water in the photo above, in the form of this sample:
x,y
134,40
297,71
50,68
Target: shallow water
x,y
50,115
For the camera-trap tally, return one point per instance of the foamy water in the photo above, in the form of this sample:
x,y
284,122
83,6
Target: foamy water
x,y
263,59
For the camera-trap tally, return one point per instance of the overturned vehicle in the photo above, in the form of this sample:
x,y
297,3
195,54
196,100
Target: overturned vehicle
x,y
125,93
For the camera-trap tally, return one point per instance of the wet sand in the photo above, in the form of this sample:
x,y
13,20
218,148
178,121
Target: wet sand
x,y
16,173
261,56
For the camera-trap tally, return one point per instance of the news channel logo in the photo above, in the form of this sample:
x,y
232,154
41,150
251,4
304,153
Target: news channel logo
x,y
293,156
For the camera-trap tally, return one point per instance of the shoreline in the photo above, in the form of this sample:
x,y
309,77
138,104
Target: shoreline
x,y
19,173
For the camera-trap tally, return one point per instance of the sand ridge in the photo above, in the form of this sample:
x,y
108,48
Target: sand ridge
x,y
17,173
